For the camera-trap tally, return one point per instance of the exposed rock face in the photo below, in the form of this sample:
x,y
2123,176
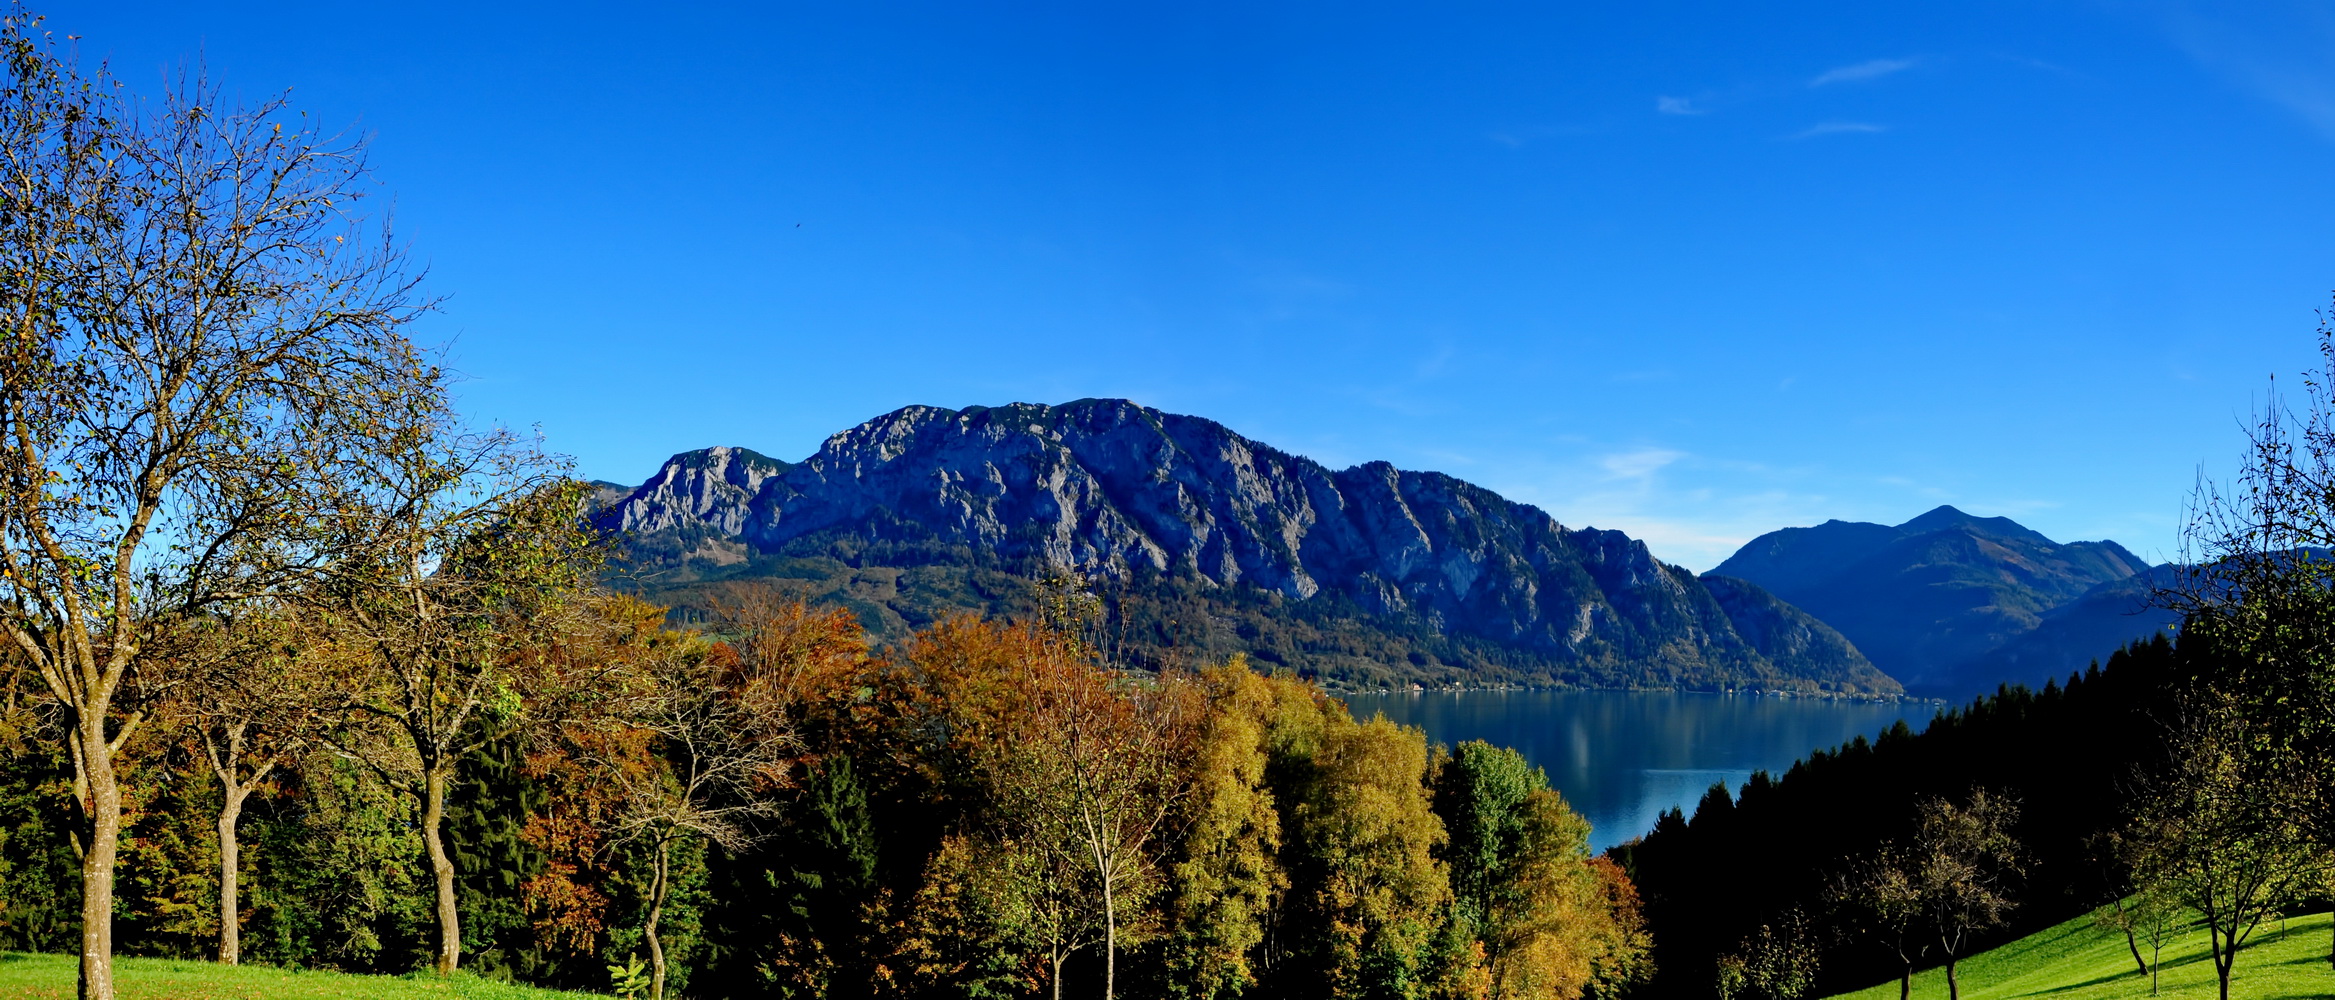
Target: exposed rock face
x,y
1929,599
1124,491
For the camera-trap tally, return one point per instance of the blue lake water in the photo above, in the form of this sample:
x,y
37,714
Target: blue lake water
x,y
1623,757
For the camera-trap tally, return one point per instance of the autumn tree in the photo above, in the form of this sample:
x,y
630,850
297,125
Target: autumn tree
x,y
1098,757
2218,831
1370,889
1007,888
1880,897
1524,884
1225,874
481,569
256,691
204,340
1963,864
815,919
721,724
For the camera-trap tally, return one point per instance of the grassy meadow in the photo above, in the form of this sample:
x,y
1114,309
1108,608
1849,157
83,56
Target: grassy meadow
x,y
50,977
2078,961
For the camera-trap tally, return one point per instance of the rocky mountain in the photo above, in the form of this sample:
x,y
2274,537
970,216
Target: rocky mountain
x,y
1212,544
1929,600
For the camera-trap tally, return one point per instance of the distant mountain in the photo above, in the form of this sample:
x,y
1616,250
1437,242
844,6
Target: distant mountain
x,y
1212,543
2074,635
1931,600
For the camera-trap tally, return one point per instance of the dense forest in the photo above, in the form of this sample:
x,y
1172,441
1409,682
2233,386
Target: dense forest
x,y
1775,853
982,812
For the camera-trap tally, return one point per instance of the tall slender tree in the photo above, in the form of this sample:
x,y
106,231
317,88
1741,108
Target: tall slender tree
x,y
255,692
480,567
1102,760
203,340
716,753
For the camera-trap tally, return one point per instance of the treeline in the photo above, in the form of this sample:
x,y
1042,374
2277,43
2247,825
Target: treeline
x,y
1774,856
902,581
983,811
2187,782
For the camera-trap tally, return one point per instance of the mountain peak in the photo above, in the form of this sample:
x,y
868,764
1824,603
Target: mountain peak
x,y
1946,517
1925,598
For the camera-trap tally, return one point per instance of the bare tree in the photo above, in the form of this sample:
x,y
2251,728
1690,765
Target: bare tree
x,y
203,341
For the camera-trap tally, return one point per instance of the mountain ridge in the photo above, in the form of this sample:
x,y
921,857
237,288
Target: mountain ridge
x,y
1455,582
1928,600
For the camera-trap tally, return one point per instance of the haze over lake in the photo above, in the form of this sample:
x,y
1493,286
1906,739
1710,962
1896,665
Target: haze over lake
x,y
1622,757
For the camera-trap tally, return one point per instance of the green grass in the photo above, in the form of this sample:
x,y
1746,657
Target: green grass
x,y
2077,961
52,976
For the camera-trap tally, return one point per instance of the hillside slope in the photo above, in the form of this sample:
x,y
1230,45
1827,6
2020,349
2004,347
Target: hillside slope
x,y
2078,961
1927,600
1215,543
2070,637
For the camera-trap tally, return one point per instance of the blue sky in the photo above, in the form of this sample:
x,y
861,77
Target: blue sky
x,y
1690,271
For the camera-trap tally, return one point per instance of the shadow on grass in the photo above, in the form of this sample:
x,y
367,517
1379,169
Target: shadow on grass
x,y
2085,984
2162,968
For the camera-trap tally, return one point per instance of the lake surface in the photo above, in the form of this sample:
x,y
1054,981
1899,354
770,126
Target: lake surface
x,y
1623,757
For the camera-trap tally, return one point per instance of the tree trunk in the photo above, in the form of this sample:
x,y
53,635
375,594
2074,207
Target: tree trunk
x,y
1905,983
94,759
1954,987
1059,957
1110,939
2225,955
442,867
656,913
2133,943
230,885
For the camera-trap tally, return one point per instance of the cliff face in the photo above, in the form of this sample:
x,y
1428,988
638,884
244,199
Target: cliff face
x,y
1125,492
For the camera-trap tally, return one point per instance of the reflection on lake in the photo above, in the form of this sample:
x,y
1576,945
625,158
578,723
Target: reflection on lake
x,y
1622,757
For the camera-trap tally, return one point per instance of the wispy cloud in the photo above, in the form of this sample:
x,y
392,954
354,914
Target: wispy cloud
x,y
1638,464
1869,70
1836,128
1678,106
1690,508
2281,56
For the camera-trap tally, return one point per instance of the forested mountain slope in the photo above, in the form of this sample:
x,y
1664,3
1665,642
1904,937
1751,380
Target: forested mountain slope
x,y
1210,543
2068,756
1930,599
